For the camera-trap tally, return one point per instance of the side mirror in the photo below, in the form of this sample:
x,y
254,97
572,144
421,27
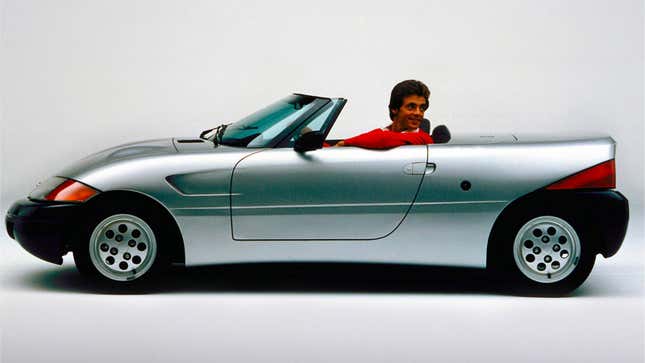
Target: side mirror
x,y
309,141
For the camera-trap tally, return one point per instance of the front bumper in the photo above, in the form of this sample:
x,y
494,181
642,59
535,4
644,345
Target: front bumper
x,y
46,230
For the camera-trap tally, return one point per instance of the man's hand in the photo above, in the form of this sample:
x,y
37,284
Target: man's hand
x,y
340,143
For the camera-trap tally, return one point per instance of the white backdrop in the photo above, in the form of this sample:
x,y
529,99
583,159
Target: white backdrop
x,y
80,76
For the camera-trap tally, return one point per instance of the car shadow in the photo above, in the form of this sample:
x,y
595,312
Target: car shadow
x,y
318,278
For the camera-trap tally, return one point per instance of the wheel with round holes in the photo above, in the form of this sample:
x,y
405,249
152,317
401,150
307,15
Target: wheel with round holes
x,y
121,246
547,252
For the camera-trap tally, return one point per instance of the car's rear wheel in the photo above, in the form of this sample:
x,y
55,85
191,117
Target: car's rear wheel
x,y
546,249
548,252
121,246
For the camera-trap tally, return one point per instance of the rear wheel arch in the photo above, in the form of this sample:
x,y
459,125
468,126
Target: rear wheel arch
x,y
568,204
530,266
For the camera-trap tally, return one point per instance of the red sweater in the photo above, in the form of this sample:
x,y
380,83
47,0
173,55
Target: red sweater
x,y
385,139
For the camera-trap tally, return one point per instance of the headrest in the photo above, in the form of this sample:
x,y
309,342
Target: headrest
x,y
441,134
425,126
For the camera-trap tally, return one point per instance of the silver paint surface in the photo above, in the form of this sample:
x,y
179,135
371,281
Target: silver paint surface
x,y
339,204
330,193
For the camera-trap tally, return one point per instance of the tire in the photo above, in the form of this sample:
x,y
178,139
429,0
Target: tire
x,y
122,246
546,253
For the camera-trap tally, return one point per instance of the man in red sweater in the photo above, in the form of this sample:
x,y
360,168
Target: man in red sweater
x,y
408,103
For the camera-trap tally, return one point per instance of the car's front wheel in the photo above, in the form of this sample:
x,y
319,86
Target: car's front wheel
x,y
121,246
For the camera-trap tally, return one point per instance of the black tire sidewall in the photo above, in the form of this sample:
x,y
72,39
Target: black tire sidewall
x,y
506,266
95,216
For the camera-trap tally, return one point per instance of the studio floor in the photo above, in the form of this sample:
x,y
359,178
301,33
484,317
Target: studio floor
x,y
319,313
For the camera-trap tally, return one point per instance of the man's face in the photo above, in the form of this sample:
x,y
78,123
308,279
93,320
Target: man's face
x,y
409,116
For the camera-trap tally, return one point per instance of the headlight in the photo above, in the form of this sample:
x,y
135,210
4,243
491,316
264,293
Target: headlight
x,y
57,189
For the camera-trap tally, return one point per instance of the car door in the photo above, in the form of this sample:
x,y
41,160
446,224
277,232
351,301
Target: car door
x,y
329,193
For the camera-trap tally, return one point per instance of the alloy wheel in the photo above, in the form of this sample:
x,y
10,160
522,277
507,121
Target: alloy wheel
x,y
546,249
123,247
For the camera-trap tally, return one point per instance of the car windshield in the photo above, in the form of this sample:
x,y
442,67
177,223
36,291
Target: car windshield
x,y
269,125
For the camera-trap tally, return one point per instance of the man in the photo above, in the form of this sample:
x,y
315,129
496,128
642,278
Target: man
x,y
408,103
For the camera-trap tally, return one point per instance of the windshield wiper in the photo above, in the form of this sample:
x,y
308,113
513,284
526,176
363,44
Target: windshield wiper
x,y
215,134
220,133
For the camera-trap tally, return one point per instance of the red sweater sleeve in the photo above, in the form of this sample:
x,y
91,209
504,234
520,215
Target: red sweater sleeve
x,y
383,139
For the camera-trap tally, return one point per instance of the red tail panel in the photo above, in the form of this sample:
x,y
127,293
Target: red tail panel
x,y
601,176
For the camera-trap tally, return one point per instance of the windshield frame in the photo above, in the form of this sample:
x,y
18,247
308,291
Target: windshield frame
x,y
336,105
317,103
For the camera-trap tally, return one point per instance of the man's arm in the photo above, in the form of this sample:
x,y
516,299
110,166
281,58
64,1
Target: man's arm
x,y
381,139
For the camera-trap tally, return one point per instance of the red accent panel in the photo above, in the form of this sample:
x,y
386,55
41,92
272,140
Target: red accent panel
x,y
601,176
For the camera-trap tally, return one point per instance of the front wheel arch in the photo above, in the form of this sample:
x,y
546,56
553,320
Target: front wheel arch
x,y
129,198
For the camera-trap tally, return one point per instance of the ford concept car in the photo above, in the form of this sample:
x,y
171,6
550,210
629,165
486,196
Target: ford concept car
x,y
268,188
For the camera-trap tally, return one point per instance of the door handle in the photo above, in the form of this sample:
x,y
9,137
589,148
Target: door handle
x,y
419,168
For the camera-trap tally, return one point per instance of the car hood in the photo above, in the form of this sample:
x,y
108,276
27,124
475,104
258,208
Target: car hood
x,y
149,161
134,150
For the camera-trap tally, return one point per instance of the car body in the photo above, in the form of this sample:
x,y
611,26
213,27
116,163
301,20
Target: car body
x,y
264,189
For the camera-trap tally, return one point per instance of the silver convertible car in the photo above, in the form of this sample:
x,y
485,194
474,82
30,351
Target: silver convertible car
x,y
268,188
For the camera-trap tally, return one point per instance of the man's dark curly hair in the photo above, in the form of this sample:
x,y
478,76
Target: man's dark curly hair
x,y
404,89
